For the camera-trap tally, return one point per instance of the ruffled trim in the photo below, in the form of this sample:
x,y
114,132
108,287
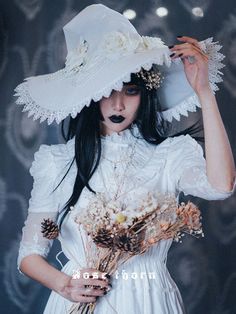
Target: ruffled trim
x,y
191,103
124,137
37,112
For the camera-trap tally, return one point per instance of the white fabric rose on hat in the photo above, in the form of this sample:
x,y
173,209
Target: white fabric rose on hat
x,y
117,44
151,42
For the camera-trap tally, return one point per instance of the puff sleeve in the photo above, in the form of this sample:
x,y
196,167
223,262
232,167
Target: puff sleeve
x,y
187,168
42,204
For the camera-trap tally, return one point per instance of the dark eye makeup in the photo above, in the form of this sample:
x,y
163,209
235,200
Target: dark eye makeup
x,y
132,90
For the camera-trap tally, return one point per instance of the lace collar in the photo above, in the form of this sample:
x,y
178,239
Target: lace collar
x,y
124,137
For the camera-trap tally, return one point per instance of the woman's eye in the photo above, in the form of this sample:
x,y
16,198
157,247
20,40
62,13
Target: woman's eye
x,y
132,91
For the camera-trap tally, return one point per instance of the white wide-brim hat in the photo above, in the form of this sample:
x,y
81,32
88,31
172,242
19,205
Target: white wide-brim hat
x,y
103,50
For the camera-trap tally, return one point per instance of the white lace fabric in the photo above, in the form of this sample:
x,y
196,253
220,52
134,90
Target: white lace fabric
x,y
32,241
177,164
189,169
50,105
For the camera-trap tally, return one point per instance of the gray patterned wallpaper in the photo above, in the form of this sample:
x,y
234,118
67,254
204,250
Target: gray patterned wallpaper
x,y
31,42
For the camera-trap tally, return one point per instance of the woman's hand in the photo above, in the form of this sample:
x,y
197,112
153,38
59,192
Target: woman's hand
x,y
197,72
77,289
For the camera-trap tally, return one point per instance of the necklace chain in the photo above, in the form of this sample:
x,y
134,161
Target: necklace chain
x,y
115,162
128,161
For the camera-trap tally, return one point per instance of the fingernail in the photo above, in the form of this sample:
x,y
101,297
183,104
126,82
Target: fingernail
x,y
108,288
170,46
180,55
179,36
172,55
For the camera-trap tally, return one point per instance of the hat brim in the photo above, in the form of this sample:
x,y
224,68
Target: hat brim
x,y
54,96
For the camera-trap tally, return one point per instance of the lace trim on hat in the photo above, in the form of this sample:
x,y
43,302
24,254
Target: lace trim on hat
x,y
37,112
188,105
191,103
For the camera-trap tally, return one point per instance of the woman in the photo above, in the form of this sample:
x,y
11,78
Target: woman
x,y
114,146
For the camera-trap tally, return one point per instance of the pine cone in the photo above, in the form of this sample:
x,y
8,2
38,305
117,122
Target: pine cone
x,y
138,225
128,242
103,238
49,229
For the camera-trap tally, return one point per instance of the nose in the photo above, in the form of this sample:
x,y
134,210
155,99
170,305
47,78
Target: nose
x,y
118,101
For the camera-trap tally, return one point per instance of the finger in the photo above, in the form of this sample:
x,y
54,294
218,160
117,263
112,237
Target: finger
x,y
94,273
190,53
188,40
87,291
178,48
86,299
191,59
186,46
80,282
197,56
78,296
93,292
94,282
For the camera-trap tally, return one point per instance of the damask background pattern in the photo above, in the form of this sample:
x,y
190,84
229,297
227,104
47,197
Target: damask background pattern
x,y
31,42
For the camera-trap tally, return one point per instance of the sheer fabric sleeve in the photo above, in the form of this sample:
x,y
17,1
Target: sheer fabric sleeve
x,y
42,204
188,170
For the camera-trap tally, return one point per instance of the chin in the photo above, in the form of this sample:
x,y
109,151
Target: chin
x,y
117,128
121,126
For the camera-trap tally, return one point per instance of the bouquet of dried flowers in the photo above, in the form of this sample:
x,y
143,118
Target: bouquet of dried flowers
x,y
121,232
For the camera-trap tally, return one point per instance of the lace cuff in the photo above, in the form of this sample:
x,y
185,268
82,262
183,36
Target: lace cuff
x,y
194,181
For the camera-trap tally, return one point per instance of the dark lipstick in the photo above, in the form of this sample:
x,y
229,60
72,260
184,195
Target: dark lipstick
x,y
116,119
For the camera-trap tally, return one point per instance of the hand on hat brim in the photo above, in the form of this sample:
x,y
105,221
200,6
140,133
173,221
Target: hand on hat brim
x,y
196,72
188,43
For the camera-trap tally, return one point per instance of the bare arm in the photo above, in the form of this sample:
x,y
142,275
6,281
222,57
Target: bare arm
x,y
72,289
36,267
219,157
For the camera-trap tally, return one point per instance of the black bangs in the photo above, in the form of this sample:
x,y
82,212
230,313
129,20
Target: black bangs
x,y
136,80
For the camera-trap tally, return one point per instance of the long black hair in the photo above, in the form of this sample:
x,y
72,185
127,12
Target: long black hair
x,y
85,127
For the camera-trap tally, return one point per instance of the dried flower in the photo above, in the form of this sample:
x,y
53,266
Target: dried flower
x,y
120,218
119,231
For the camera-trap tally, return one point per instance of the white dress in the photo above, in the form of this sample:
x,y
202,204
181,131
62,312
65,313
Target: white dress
x,y
177,164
